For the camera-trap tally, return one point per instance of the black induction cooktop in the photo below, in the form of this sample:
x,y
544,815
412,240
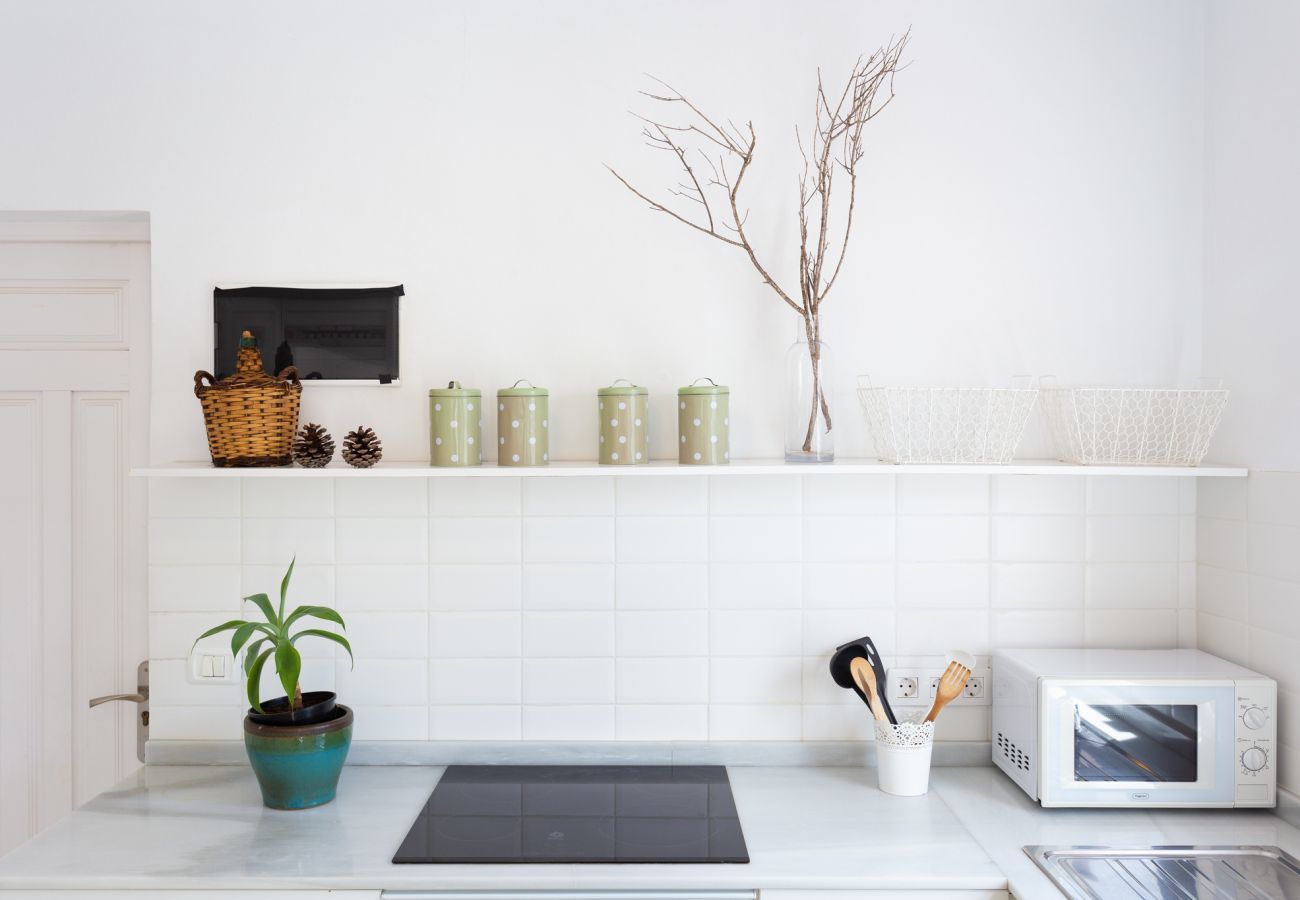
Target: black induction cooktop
x,y
578,814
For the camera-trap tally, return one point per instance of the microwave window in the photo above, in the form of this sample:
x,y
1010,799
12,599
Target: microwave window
x,y
1135,742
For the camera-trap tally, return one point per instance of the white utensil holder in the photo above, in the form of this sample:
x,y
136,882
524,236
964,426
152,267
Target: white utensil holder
x,y
903,756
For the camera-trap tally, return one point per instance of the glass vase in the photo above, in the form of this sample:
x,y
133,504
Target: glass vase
x,y
809,407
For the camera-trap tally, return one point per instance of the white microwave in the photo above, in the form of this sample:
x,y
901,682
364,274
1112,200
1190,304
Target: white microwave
x,y
1134,728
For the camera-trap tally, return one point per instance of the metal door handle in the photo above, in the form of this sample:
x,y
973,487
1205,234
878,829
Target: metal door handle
x,y
134,698
141,696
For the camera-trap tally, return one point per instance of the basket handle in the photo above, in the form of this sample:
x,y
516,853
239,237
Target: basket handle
x,y
198,381
290,374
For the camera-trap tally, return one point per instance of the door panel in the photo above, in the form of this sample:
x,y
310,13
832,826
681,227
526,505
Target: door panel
x,y
104,737
74,399
20,594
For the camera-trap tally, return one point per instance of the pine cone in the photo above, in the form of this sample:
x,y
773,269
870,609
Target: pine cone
x,y
361,448
313,447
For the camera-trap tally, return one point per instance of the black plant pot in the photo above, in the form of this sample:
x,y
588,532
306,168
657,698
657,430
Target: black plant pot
x,y
317,706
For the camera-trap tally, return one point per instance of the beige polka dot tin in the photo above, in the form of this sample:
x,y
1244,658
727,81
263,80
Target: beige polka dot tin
x,y
624,434
703,424
523,426
455,426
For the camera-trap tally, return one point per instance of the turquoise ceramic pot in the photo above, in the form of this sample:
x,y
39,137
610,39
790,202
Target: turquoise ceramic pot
x,y
298,766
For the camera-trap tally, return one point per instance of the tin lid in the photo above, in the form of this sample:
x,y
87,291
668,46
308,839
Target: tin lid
x,y
453,389
626,389
516,391
695,388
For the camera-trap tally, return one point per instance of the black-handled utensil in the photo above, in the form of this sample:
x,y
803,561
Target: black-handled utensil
x,y
842,673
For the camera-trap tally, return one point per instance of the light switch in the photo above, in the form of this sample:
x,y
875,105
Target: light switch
x,y
211,665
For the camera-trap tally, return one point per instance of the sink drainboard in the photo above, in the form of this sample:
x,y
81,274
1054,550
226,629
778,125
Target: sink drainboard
x,y
1171,873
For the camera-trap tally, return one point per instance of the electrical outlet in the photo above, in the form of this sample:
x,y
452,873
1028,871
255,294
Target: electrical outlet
x,y
903,687
917,683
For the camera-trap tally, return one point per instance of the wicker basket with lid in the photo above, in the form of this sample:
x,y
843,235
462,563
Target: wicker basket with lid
x,y
251,417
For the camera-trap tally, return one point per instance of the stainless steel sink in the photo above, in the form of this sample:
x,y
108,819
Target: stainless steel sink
x,y
1170,873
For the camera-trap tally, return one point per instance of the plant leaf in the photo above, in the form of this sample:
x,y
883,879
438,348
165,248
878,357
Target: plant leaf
x,y
289,666
284,586
255,681
253,649
241,636
318,612
330,636
263,603
224,626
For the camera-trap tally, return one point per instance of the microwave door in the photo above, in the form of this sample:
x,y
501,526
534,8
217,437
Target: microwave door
x,y
1122,744
1140,742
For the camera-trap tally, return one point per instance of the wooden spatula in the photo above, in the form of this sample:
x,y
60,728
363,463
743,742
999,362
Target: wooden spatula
x,y
865,677
951,685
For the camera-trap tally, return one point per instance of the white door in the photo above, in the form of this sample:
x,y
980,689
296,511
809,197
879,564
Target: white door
x,y
74,400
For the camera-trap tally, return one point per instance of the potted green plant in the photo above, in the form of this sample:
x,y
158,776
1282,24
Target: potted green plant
x,y
296,743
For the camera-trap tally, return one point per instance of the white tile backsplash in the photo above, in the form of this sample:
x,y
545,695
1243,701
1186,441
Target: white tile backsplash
x,y
569,586
668,539
1247,581
559,539
695,607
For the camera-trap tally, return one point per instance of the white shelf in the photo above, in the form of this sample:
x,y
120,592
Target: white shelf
x,y
668,468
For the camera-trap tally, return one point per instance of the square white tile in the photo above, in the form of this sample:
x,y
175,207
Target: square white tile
x,y
756,680
193,498
644,539
569,586
943,495
940,585
580,496
663,680
568,681
464,497
755,585
755,633
474,635
848,495
475,723
1038,585
475,539
755,495
287,498
677,722
381,541
381,497
943,538
478,588
759,722
568,723
848,538
195,541
662,585
848,585
1133,538
679,496
475,681
568,634
275,542
381,587
569,539
662,633
1038,538
1034,495
755,538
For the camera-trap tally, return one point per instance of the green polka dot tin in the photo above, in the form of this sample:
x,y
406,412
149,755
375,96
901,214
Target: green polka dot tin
x,y
455,426
624,424
704,424
523,426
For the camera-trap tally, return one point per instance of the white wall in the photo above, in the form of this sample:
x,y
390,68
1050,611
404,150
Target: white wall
x,y
688,608
1248,534
1032,201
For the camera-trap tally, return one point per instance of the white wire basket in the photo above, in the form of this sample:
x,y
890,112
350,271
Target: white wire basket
x,y
1132,426
946,425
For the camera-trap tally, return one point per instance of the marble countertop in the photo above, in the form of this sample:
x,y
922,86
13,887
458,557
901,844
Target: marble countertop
x,y
177,827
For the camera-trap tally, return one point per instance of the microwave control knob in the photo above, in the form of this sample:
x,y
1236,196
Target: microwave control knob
x,y
1254,759
1254,718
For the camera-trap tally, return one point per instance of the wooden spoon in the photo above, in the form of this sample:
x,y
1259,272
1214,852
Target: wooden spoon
x,y
951,685
865,677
